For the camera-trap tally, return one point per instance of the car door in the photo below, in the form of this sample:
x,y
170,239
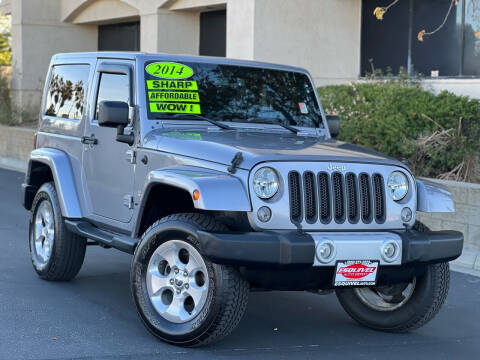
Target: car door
x,y
108,164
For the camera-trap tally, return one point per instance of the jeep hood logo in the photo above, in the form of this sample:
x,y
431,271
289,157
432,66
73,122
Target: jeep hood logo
x,y
340,168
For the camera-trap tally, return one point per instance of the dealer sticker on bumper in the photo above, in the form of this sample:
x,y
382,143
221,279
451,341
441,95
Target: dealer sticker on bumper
x,y
356,273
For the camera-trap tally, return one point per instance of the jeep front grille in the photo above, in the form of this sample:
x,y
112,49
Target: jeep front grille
x,y
336,197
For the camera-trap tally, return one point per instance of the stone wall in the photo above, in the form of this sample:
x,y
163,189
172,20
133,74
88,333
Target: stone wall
x,y
465,219
467,216
16,143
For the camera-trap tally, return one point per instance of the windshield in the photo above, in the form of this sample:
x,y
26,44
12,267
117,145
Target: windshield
x,y
230,93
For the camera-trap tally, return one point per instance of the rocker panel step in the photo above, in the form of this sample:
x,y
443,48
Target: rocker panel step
x,y
120,242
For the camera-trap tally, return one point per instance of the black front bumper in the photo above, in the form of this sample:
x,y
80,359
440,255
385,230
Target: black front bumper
x,y
291,248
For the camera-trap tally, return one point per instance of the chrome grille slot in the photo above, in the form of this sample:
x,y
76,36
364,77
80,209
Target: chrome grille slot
x,y
352,197
310,197
379,190
295,196
324,197
335,197
365,198
338,197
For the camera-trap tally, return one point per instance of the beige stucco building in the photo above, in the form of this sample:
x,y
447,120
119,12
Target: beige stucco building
x,y
295,32
334,39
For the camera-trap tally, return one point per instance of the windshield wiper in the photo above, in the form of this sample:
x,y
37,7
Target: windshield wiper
x,y
196,116
265,121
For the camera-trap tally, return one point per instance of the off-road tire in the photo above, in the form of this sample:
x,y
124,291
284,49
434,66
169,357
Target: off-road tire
x,y
429,295
68,251
227,293
420,227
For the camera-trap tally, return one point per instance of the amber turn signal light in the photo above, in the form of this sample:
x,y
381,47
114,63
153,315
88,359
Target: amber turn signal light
x,y
196,195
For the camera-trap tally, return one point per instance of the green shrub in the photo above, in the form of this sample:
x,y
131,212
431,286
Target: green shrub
x,y
6,110
11,114
438,134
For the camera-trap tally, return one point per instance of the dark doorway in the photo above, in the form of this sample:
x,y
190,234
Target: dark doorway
x,y
213,33
119,37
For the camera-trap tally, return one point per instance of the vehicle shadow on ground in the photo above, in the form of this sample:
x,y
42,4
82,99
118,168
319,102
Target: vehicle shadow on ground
x,y
94,316
98,304
287,320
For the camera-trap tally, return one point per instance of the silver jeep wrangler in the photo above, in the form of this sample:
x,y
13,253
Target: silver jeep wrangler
x,y
221,176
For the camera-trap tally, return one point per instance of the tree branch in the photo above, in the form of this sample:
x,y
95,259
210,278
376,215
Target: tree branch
x,y
380,11
423,32
389,6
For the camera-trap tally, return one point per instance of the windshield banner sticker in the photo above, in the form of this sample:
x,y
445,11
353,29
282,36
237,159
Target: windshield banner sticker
x,y
175,108
171,85
169,70
172,94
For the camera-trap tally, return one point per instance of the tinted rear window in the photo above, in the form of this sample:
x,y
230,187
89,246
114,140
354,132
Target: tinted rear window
x,y
65,97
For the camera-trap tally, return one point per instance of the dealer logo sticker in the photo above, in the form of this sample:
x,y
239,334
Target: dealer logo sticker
x,y
356,273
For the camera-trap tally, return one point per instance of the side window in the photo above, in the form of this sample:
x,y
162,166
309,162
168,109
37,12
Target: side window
x,y
113,87
65,97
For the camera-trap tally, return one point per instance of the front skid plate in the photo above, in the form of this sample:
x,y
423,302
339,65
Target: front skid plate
x,y
356,246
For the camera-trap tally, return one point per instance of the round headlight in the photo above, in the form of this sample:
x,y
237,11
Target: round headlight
x,y
265,183
398,185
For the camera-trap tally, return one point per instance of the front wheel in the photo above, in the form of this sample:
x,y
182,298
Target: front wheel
x,y
402,307
181,296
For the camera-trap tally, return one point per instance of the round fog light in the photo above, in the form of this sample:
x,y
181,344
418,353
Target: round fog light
x,y
389,251
264,214
406,214
325,251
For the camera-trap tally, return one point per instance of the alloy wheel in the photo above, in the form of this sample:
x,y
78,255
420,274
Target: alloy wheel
x,y
43,237
177,281
386,298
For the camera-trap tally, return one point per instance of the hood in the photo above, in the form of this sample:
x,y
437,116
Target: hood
x,y
258,146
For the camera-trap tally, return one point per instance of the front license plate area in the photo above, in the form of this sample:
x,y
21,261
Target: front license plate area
x,y
356,273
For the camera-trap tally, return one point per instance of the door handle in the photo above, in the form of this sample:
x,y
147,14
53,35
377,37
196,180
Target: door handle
x,y
90,140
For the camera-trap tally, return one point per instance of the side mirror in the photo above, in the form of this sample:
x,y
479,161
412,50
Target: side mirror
x,y
333,122
115,114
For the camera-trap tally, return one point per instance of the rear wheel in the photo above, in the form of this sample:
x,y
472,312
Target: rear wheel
x,y
56,253
182,297
400,307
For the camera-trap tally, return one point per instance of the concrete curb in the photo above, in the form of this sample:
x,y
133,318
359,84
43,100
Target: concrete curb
x,y
470,260
13,164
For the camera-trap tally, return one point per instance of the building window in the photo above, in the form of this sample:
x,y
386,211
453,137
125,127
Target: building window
x,y
392,43
65,96
213,33
471,49
119,37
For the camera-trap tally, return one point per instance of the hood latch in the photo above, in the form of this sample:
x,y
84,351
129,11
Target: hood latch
x,y
236,161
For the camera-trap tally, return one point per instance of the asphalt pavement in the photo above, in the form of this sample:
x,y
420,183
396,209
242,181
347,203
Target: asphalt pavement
x,y
93,317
